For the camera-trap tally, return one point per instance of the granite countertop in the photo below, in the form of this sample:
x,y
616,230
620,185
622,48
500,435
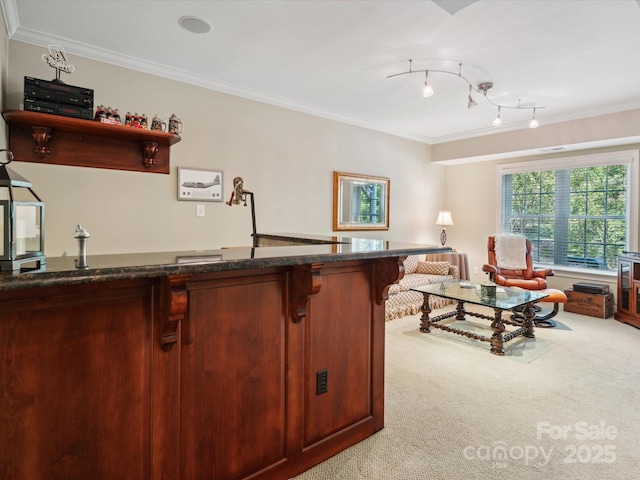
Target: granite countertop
x,y
307,249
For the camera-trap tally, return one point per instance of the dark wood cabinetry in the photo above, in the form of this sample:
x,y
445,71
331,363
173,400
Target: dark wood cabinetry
x,y
192,376
628,302
75,379
44,138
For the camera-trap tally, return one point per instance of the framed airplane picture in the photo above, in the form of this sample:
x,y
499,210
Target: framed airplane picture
x,y
200,185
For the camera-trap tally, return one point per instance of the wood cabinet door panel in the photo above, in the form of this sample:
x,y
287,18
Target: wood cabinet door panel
x,y
233,377
339,340
74,387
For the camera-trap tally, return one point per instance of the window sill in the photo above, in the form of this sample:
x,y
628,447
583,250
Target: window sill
x,y
561,271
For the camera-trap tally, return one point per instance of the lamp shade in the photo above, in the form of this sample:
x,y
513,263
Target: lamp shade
x,y
444,218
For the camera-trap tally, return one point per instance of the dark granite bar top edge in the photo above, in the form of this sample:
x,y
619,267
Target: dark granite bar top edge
x,y
61,270
306,239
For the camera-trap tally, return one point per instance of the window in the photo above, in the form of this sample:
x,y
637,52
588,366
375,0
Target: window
x,y
576,211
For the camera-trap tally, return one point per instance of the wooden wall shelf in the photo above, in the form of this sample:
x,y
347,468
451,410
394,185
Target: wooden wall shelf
x,y
54,139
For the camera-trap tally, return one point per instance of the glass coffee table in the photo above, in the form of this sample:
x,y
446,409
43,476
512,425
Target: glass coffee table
x,y
503,300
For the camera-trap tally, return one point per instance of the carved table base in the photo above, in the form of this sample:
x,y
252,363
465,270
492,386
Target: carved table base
x,y
499,337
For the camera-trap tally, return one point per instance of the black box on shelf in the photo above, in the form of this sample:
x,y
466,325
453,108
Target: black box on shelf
x,y
596,288
42,106
58,92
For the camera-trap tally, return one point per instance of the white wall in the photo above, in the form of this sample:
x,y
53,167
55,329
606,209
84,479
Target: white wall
x,y
286,158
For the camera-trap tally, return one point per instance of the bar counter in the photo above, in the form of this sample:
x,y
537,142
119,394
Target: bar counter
x,y
233,364
274,250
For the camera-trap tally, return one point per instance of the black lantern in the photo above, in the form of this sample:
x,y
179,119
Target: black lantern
x,y
22,218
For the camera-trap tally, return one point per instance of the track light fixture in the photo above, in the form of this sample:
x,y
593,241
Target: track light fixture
x,y
427,91
498,121
471,103
534,123
482,88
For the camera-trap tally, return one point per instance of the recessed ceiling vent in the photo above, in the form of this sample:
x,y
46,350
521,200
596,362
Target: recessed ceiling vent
x,y
194,25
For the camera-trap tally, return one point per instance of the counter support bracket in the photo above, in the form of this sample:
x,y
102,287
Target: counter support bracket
x,y
387,271
175,301
306,281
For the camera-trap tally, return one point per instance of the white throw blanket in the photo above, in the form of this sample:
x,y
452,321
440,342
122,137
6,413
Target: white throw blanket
x,y
511,251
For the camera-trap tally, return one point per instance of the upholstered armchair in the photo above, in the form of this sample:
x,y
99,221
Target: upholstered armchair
x,y
514,275
514,251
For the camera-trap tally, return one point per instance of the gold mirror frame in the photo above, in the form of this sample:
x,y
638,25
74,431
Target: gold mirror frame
x,y
360,202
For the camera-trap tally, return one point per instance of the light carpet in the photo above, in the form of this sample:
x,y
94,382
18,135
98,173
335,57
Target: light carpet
x,y
565,405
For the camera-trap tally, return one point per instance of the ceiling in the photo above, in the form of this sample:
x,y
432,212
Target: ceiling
x,y
570,59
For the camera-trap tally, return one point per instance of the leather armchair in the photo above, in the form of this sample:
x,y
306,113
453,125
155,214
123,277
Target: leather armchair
x,y
529,278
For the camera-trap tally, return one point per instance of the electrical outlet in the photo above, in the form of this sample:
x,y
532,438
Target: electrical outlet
x,y
476,270
322,382
199,210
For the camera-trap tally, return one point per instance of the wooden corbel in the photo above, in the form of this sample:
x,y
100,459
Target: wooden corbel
x,y
175,301
306,281
41,137
150,151
386,272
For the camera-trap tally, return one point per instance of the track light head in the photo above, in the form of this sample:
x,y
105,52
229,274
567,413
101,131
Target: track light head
x,y
534,123
498,121
427,91
471,102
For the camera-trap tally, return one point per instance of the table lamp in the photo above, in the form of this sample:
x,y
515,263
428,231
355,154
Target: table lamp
x,y
444,219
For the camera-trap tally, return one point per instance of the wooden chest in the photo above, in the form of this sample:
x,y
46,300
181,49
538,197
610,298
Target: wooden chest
x,y
595,305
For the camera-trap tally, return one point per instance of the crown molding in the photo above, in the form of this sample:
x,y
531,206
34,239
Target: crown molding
x,y
18,33
10,13
102,55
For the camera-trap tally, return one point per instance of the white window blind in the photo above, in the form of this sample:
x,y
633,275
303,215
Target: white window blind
x,y
578,212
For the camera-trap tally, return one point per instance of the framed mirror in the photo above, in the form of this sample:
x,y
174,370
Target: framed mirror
x,y
360,202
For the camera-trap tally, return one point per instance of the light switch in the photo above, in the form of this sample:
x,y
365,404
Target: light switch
x,y
199,210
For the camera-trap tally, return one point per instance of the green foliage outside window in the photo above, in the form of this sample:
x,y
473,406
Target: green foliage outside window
x,y
573,217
